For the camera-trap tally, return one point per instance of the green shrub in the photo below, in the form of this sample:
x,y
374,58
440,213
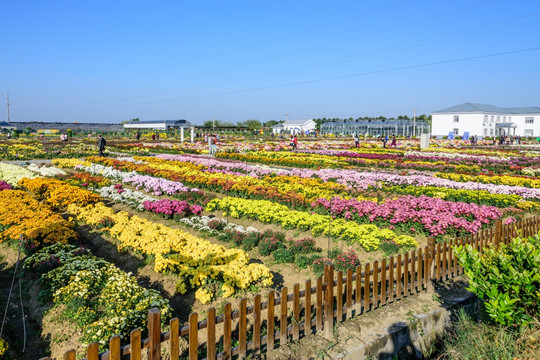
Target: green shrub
x,y
318,265
507,279
283,256
302,261
269,245
303,246
333,253
389,248
346,261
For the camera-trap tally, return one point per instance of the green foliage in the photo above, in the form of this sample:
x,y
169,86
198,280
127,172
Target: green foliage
x,y
269,245
507,279
303,261
283,256
302,246
389,248
346,261
470,340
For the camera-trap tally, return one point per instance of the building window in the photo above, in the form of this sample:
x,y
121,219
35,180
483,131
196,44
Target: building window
x,y
485,132
529,132
456,118
485,119
456,132
529,120
492,119
491,132
498,119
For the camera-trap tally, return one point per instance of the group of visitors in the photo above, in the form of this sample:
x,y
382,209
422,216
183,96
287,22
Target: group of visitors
x,y
384,139
294,142
63,137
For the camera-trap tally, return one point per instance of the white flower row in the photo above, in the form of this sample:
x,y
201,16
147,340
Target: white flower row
x,y
105,171
12,174
49,171
200,223
132,198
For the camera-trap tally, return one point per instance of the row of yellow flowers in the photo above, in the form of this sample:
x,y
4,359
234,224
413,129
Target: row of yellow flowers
x,y
58,194
286,158
21,214
198,263
368,236
496,179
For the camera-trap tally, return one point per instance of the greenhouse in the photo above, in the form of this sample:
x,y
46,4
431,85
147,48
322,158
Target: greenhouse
x,y
375,127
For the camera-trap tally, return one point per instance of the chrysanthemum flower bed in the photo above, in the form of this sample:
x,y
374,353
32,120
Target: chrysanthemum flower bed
x,y
99,298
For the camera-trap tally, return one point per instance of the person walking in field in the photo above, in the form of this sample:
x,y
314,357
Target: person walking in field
x,y
295,142
101,142
393,143
356,141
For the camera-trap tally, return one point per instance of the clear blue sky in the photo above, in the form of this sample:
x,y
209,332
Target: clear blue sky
x,y
108,61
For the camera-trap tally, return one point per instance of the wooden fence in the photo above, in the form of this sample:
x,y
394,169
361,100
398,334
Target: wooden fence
x,y
315,308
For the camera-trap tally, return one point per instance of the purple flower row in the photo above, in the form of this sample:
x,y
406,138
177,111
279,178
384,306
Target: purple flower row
x,y
5,186
172,207
157,186
437,216
222,166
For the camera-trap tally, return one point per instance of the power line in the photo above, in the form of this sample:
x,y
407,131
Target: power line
x,y
354,75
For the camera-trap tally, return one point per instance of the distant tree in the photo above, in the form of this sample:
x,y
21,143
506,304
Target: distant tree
x,y
403,117
252,124
318,122
271,123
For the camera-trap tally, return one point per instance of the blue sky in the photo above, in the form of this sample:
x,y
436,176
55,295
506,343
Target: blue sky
x,y
109,61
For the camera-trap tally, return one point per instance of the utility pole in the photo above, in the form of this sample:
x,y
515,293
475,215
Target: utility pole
x,y
414,124
213,124
7,102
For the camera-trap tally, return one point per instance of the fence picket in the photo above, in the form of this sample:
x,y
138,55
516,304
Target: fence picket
x,y
210,334
270,321
174,340
329,300
227,332
307,308
366,289
358,291
296,312
319,304
383,282
339,296
92,352
154,334
242,330
257,319
193,336
283,318
391,280
348,303
398,278
114,348
406,275
375,284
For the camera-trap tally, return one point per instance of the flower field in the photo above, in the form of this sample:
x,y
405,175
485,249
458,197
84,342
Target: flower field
x,y
220,227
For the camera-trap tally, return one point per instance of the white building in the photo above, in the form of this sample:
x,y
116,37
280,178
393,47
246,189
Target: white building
x,y
158,124
486,120
295,127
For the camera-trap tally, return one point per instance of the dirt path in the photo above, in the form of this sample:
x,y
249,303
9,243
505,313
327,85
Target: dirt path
x,y
36,346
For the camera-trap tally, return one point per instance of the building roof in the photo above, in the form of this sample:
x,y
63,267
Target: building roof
x,y
4,124
168,122
483,108
296,122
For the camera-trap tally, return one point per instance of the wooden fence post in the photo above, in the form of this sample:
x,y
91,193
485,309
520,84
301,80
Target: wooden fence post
x,y
69,355
154,334
174,341
135,345
210,334
498,232
92,351
430,257
329,300
114,348
193,336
